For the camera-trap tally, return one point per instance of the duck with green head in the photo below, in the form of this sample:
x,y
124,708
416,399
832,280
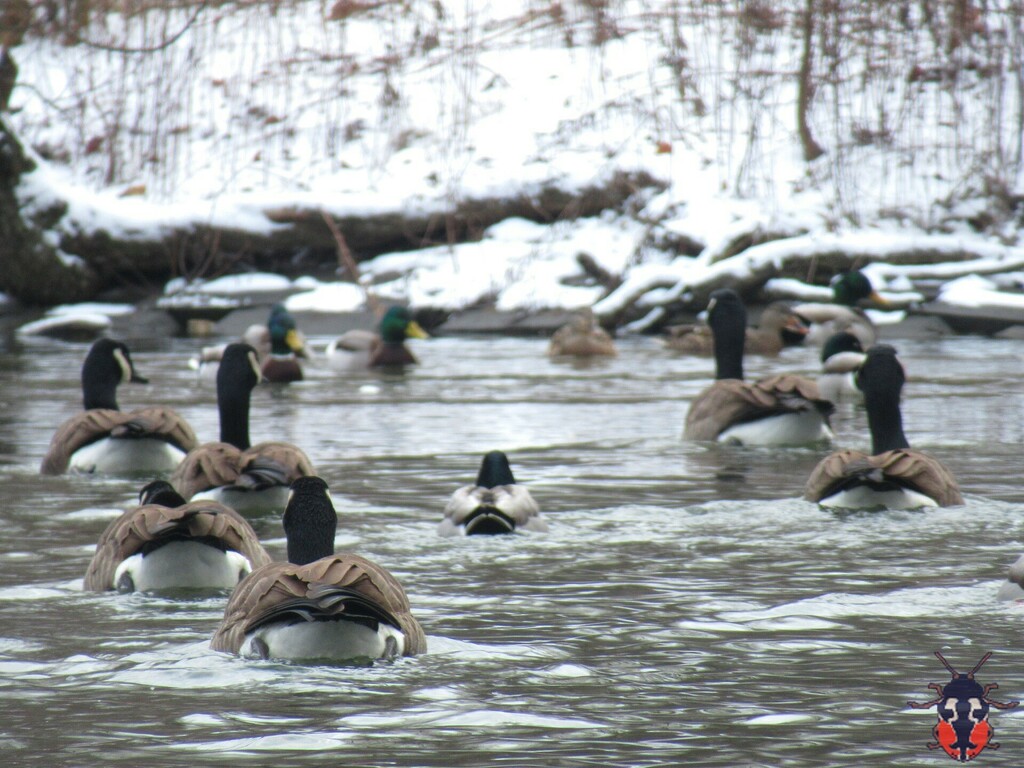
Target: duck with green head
x,y
359,349
286,346
841,358
849,290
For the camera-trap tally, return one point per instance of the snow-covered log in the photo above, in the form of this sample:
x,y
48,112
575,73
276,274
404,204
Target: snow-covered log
x,y
58,250
684,286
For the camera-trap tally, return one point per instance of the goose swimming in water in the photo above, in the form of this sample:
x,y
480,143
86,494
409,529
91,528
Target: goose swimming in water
x,y
778,410
893,475
318,606
102,438
252,479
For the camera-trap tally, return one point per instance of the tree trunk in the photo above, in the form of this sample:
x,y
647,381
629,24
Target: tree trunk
x,y
31,269
805,88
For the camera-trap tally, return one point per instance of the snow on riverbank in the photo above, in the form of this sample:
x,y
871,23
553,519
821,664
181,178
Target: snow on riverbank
x,y
389,111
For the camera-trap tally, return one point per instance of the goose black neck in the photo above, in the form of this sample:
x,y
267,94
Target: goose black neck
x,y
161,492
881,380
885,421
234,416
236,378
99,394
309,522
495,471
728,320
100,376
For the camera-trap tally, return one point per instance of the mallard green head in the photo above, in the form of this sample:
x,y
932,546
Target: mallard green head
x,y
284,337
843,341
848,288
398,324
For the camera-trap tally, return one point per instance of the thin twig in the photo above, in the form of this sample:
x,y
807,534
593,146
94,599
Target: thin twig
x,y
148,49
347,261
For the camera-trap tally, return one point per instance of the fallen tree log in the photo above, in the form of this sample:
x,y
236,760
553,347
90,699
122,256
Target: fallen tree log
x,y
57,253
684,288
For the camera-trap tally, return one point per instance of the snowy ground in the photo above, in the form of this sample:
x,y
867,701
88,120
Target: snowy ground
x,y
416,107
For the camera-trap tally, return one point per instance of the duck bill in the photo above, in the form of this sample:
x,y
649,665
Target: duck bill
x,y
794,330
295,342
488,521
879,300
795,326
414,331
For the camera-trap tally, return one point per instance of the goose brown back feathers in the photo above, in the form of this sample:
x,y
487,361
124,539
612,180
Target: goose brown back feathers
x,y
311,590
135,529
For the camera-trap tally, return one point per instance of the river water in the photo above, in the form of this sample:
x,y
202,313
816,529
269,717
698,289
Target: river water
x,y
686,606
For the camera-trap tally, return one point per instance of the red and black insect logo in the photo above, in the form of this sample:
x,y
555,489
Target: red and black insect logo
x,y
963,730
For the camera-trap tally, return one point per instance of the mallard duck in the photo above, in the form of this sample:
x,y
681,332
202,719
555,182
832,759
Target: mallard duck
x,y
167,544
319,605
105,440
841,358
247,478
495,504
893,475
778,327
778,410
359,349
281,365
582,337
848,289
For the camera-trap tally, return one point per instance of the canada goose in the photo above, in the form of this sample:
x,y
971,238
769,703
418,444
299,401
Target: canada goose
x,y
841,358
582,337
778,410
318,605
102,439
495,504
778,326
248,478
168,544
893,475
281,365
358,349
848,288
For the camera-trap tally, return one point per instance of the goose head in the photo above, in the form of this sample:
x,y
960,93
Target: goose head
x,y
108,364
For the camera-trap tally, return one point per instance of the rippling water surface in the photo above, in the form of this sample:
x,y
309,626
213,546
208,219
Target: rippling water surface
x,y
686,607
